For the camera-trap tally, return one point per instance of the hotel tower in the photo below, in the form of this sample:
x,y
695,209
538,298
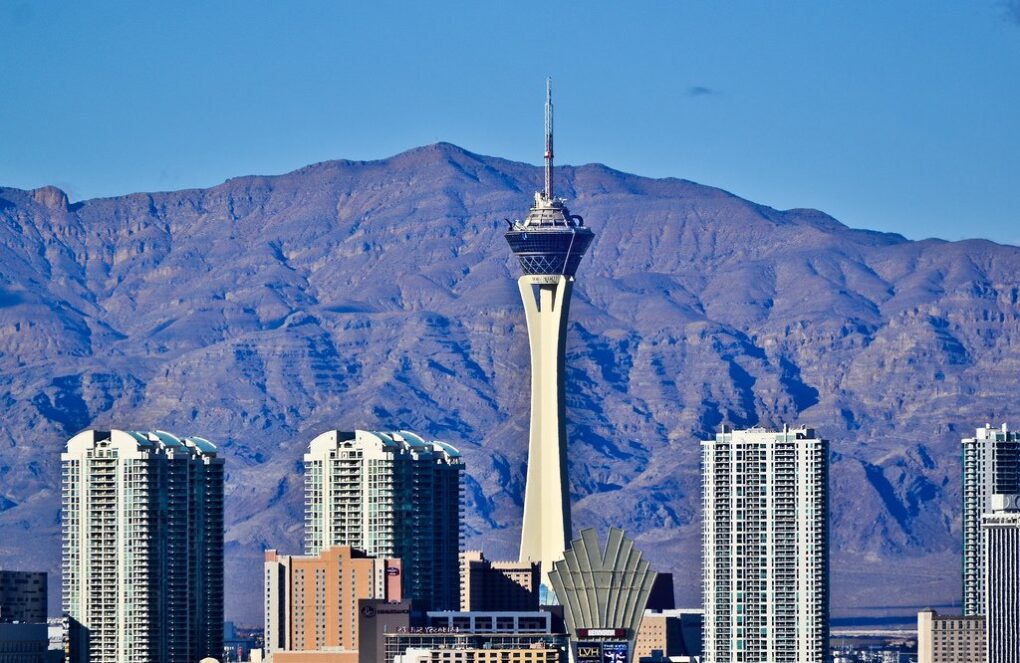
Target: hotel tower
x,y
142,571
1001,529
991,466
390,494
765,546
549,243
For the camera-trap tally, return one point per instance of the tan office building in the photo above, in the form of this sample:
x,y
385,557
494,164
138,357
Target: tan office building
x,y
488,586
652,636
311,602
950,638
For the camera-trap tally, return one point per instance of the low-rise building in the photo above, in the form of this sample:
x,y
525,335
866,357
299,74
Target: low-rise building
x,y
24,643
670,633
312,602
497,586
950,638
376,618
23,597
535,621
430,639
536,653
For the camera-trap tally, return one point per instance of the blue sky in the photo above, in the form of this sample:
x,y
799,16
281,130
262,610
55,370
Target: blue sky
x,y
899,116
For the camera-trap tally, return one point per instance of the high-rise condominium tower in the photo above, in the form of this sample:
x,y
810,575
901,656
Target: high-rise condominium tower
x,y
549,243
142,547
766,546
991,466
390,495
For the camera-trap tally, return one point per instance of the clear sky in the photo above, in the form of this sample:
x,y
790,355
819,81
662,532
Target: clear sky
x,y
900,116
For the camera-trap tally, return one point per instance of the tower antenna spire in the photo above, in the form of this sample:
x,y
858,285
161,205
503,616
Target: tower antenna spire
x,y
548,140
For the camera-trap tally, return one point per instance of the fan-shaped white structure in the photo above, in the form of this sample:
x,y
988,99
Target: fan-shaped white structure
x,y
602,588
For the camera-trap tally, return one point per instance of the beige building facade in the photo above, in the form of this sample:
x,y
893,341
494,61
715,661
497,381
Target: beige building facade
x,y
311,602
533,654
950,638
324,656
652,636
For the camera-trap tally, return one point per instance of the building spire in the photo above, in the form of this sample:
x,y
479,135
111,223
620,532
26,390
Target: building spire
x,y
548,140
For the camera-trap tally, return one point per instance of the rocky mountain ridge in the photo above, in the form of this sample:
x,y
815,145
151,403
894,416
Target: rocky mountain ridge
x,y
381,295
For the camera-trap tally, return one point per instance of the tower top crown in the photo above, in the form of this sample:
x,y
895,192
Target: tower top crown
x,y
548,212
550,240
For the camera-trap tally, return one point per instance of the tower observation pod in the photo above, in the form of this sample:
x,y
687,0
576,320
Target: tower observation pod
x,y
549,243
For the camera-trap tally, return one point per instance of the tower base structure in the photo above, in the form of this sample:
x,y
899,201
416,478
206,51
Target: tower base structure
x,y
546,527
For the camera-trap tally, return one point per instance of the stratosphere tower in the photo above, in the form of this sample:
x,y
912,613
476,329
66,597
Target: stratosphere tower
x,y
549,243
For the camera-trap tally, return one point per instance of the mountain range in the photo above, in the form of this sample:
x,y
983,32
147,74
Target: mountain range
x,y
382,295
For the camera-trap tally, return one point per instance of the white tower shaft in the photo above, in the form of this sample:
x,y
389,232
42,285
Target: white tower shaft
x,y
547,526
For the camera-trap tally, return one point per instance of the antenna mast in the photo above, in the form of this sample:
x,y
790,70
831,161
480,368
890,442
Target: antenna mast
x,y
548,140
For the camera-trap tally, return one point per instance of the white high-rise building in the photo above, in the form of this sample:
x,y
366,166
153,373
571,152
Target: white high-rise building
x,y
390,494
1002,579
142,547
991,466
765,546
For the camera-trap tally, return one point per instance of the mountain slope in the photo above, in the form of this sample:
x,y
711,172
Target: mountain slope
x,y
265,310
